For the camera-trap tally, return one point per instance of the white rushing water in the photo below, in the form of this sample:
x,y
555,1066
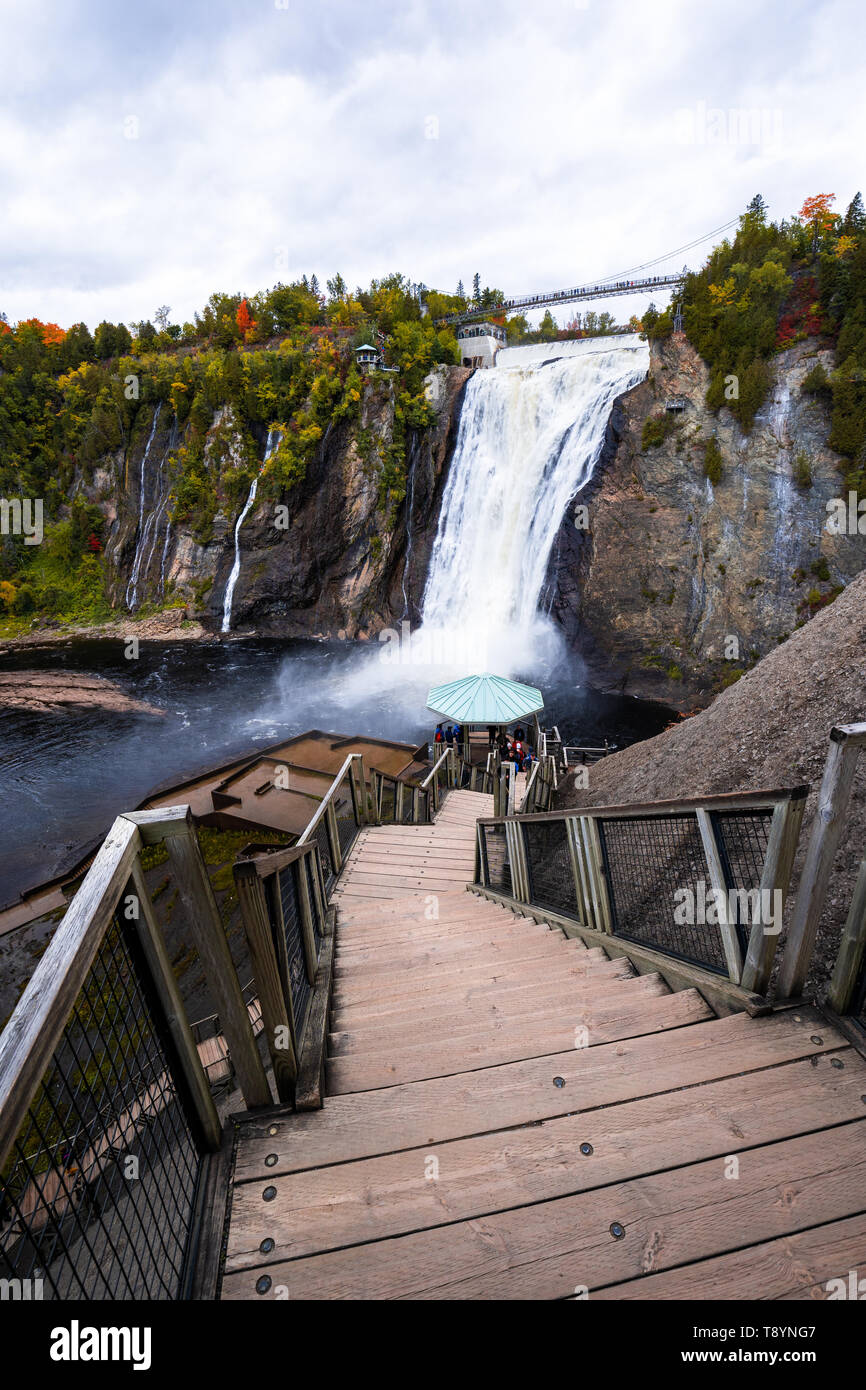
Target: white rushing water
x,y
142,532
273,440
528,441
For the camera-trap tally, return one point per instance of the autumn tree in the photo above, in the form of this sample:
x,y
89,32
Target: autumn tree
x,y
245,320
816,213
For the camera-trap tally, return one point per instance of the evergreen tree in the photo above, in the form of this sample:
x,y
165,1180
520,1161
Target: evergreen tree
x,y
757,209
855,218
461,293
314,285
476,288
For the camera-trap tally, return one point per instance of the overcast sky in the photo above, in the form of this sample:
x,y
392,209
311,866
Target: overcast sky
x,y
154,152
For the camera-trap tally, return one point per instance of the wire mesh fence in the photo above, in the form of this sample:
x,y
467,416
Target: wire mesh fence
x,y
320,836
494,856
98,1193
646,861
292,926
344,810
551,875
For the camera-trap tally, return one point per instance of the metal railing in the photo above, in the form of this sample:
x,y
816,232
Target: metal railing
x,y
703,881
107,1124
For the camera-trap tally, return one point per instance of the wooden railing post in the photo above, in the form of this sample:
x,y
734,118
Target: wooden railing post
x,y
275,1006
845,743
162,976
776,877
727,928
210,941
852,948
520,883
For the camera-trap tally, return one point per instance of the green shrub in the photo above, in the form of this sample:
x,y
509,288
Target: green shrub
x,y
713,461
802,470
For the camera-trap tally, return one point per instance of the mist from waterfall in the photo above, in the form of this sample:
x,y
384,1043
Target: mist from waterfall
x,y
528,441
273,440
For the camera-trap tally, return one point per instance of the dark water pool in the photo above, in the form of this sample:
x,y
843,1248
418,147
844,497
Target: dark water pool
x,y
64,776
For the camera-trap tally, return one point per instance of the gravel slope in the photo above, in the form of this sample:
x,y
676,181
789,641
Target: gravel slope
x,y
770,729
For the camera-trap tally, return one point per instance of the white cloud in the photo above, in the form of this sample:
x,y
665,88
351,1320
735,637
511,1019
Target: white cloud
x,y
557,156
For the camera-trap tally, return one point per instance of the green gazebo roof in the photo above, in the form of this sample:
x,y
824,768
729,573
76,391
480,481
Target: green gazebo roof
x,y
484,700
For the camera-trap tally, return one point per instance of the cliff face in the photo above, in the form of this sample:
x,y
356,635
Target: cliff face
x,y
336,556
674,566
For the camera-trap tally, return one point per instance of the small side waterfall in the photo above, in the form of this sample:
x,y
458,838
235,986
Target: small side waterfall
x,y
273,441
131,596
528,441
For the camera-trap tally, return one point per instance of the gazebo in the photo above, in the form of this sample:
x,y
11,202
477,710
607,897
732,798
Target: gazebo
x,y
485,702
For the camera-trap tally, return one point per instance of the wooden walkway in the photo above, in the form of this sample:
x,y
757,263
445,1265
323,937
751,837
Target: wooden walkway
x,y
510,1114
389,861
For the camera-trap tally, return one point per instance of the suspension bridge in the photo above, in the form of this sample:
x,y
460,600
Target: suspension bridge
x,y
632,281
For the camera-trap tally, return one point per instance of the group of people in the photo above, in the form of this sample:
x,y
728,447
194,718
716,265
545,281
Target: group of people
x,y
513,748
451,735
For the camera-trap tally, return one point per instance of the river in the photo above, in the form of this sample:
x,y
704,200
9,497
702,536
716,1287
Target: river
x,y
64,776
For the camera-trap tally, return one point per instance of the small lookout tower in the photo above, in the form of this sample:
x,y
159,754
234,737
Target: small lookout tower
x,y
479,343
368,357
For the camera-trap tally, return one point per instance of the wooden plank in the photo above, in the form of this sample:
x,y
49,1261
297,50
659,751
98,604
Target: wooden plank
x,y
360,983
479,983
827,828
798,1266
153,946
602,1023
850,957
435,946
430,1112
553,1248
274,996
546,1006
208,935
776,876
412,985
311,1062
727,929
327,1208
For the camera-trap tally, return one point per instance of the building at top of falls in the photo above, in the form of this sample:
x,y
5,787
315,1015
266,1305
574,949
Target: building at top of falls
x,y
479,343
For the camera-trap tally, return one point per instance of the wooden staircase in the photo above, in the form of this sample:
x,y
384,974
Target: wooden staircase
x,y
510,1114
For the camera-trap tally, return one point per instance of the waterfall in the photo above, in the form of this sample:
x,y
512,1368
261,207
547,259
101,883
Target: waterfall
x,y
528,441
273,440
131,597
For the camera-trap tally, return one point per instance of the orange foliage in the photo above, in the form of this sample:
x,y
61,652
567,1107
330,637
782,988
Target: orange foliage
x,y
51,333
816,210
246,322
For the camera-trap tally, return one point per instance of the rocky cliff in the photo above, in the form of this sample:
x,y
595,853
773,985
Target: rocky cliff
x,y
681,582
343,553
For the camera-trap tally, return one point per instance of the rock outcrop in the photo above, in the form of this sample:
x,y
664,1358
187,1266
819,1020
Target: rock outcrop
x,y
680,583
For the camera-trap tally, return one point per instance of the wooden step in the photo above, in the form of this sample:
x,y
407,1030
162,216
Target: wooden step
x,y
799,1266
481,982
544,1010
516,946
391,1195
378,982
522,1093
438,945
487,1000
602,1024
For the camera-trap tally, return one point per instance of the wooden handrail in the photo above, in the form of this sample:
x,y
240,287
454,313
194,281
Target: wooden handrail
x,y
724,801
36,1027
322,808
